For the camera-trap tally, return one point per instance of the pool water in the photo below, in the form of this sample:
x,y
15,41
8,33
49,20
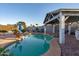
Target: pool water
x,y
31,45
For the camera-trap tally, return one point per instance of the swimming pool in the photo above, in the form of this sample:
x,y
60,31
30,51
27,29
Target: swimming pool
x,y
31,45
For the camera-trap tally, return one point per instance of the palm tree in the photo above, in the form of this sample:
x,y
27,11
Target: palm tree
x,y
37,29
37,25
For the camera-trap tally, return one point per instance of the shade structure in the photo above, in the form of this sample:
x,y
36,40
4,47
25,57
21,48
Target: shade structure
x,y
61,17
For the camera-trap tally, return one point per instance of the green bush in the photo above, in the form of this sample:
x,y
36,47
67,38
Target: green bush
x,y
23,30
1,49
3,31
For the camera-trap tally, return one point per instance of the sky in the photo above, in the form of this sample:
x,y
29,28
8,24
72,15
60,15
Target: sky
x,y
31,13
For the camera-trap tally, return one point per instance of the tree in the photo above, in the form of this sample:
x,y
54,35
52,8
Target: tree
x,y
23,24
37,29
37,25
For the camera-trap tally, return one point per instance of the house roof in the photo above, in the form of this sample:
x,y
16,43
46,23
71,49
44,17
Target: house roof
x,y
67,11
64,9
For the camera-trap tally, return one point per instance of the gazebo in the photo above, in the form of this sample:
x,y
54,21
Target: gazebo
x,y
61,17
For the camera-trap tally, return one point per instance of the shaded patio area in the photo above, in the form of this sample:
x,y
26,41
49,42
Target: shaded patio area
x,y
65,19
62,17
71,46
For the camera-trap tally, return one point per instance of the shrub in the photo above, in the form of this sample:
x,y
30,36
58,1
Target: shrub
x,y
1,49
3,31
23,30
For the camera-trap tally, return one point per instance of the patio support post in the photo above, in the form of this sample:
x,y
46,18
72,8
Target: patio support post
x,y
53,28
62,29
69,28
78,24
44,29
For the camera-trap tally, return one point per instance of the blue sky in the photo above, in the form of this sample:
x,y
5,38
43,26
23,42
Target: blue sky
x,y
30,13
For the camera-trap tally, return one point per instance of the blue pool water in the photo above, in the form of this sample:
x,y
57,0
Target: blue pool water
x,y
32,45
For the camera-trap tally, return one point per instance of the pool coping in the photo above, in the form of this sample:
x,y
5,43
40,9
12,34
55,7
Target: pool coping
x,y
54,49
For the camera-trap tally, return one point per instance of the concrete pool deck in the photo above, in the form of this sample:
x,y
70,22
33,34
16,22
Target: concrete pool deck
x,y
71,46
54,49
5,42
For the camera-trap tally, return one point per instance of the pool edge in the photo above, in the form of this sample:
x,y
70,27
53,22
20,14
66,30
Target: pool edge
x,y
54,49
